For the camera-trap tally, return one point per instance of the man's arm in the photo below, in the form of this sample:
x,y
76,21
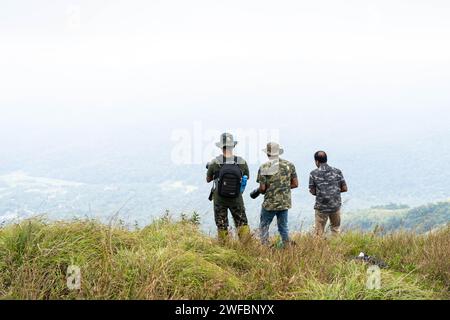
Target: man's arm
x,y
262,182
294,177
262,188
344,187
294,183
246,170
210,173
312,186
342,183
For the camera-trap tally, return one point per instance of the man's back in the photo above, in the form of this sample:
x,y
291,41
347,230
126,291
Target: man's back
x,y
213,171
277,175
327,183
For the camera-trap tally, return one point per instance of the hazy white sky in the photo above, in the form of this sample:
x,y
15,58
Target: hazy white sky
x,y
77,64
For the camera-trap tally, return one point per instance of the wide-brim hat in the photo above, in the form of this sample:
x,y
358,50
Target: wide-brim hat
x,y
273,149
226,141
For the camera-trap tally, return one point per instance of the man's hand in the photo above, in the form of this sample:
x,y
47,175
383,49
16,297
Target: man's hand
x,y
344,188
263,188
313,191
209,179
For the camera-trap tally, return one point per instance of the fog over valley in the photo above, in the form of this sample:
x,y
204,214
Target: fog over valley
x,y
112,106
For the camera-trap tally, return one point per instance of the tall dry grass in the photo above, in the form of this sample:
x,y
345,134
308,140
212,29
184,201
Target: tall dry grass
x,y
174,260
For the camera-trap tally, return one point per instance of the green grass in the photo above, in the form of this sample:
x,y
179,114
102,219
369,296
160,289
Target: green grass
x,y
174,260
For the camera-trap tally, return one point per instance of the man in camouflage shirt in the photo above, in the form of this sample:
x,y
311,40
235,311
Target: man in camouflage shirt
x,y
276,178
221,204
327,184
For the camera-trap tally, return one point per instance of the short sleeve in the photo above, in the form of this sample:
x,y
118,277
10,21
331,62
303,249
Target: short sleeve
x,y
312,183
342,179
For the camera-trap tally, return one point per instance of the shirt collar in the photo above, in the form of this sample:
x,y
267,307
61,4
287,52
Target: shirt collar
x,y
324,166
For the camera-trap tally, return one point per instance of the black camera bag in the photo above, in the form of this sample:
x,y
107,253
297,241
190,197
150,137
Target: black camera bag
x,y
229,179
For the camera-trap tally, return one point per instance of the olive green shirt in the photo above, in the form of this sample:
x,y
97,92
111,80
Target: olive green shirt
x,y
213,171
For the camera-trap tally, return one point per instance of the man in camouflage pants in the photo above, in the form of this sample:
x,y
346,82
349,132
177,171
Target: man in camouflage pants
x,y
276,178
221,204
327,184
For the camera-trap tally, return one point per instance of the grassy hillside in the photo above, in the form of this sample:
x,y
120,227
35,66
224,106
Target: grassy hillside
x,y
173,260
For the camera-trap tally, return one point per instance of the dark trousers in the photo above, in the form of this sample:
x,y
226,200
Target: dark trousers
x,y
237,212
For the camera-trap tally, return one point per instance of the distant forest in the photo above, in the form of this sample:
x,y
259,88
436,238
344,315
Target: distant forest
x,y
396,216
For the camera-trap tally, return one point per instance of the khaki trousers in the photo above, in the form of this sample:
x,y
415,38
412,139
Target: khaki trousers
x,y
322,219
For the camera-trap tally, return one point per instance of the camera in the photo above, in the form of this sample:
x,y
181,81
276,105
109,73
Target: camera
x,y
255,194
